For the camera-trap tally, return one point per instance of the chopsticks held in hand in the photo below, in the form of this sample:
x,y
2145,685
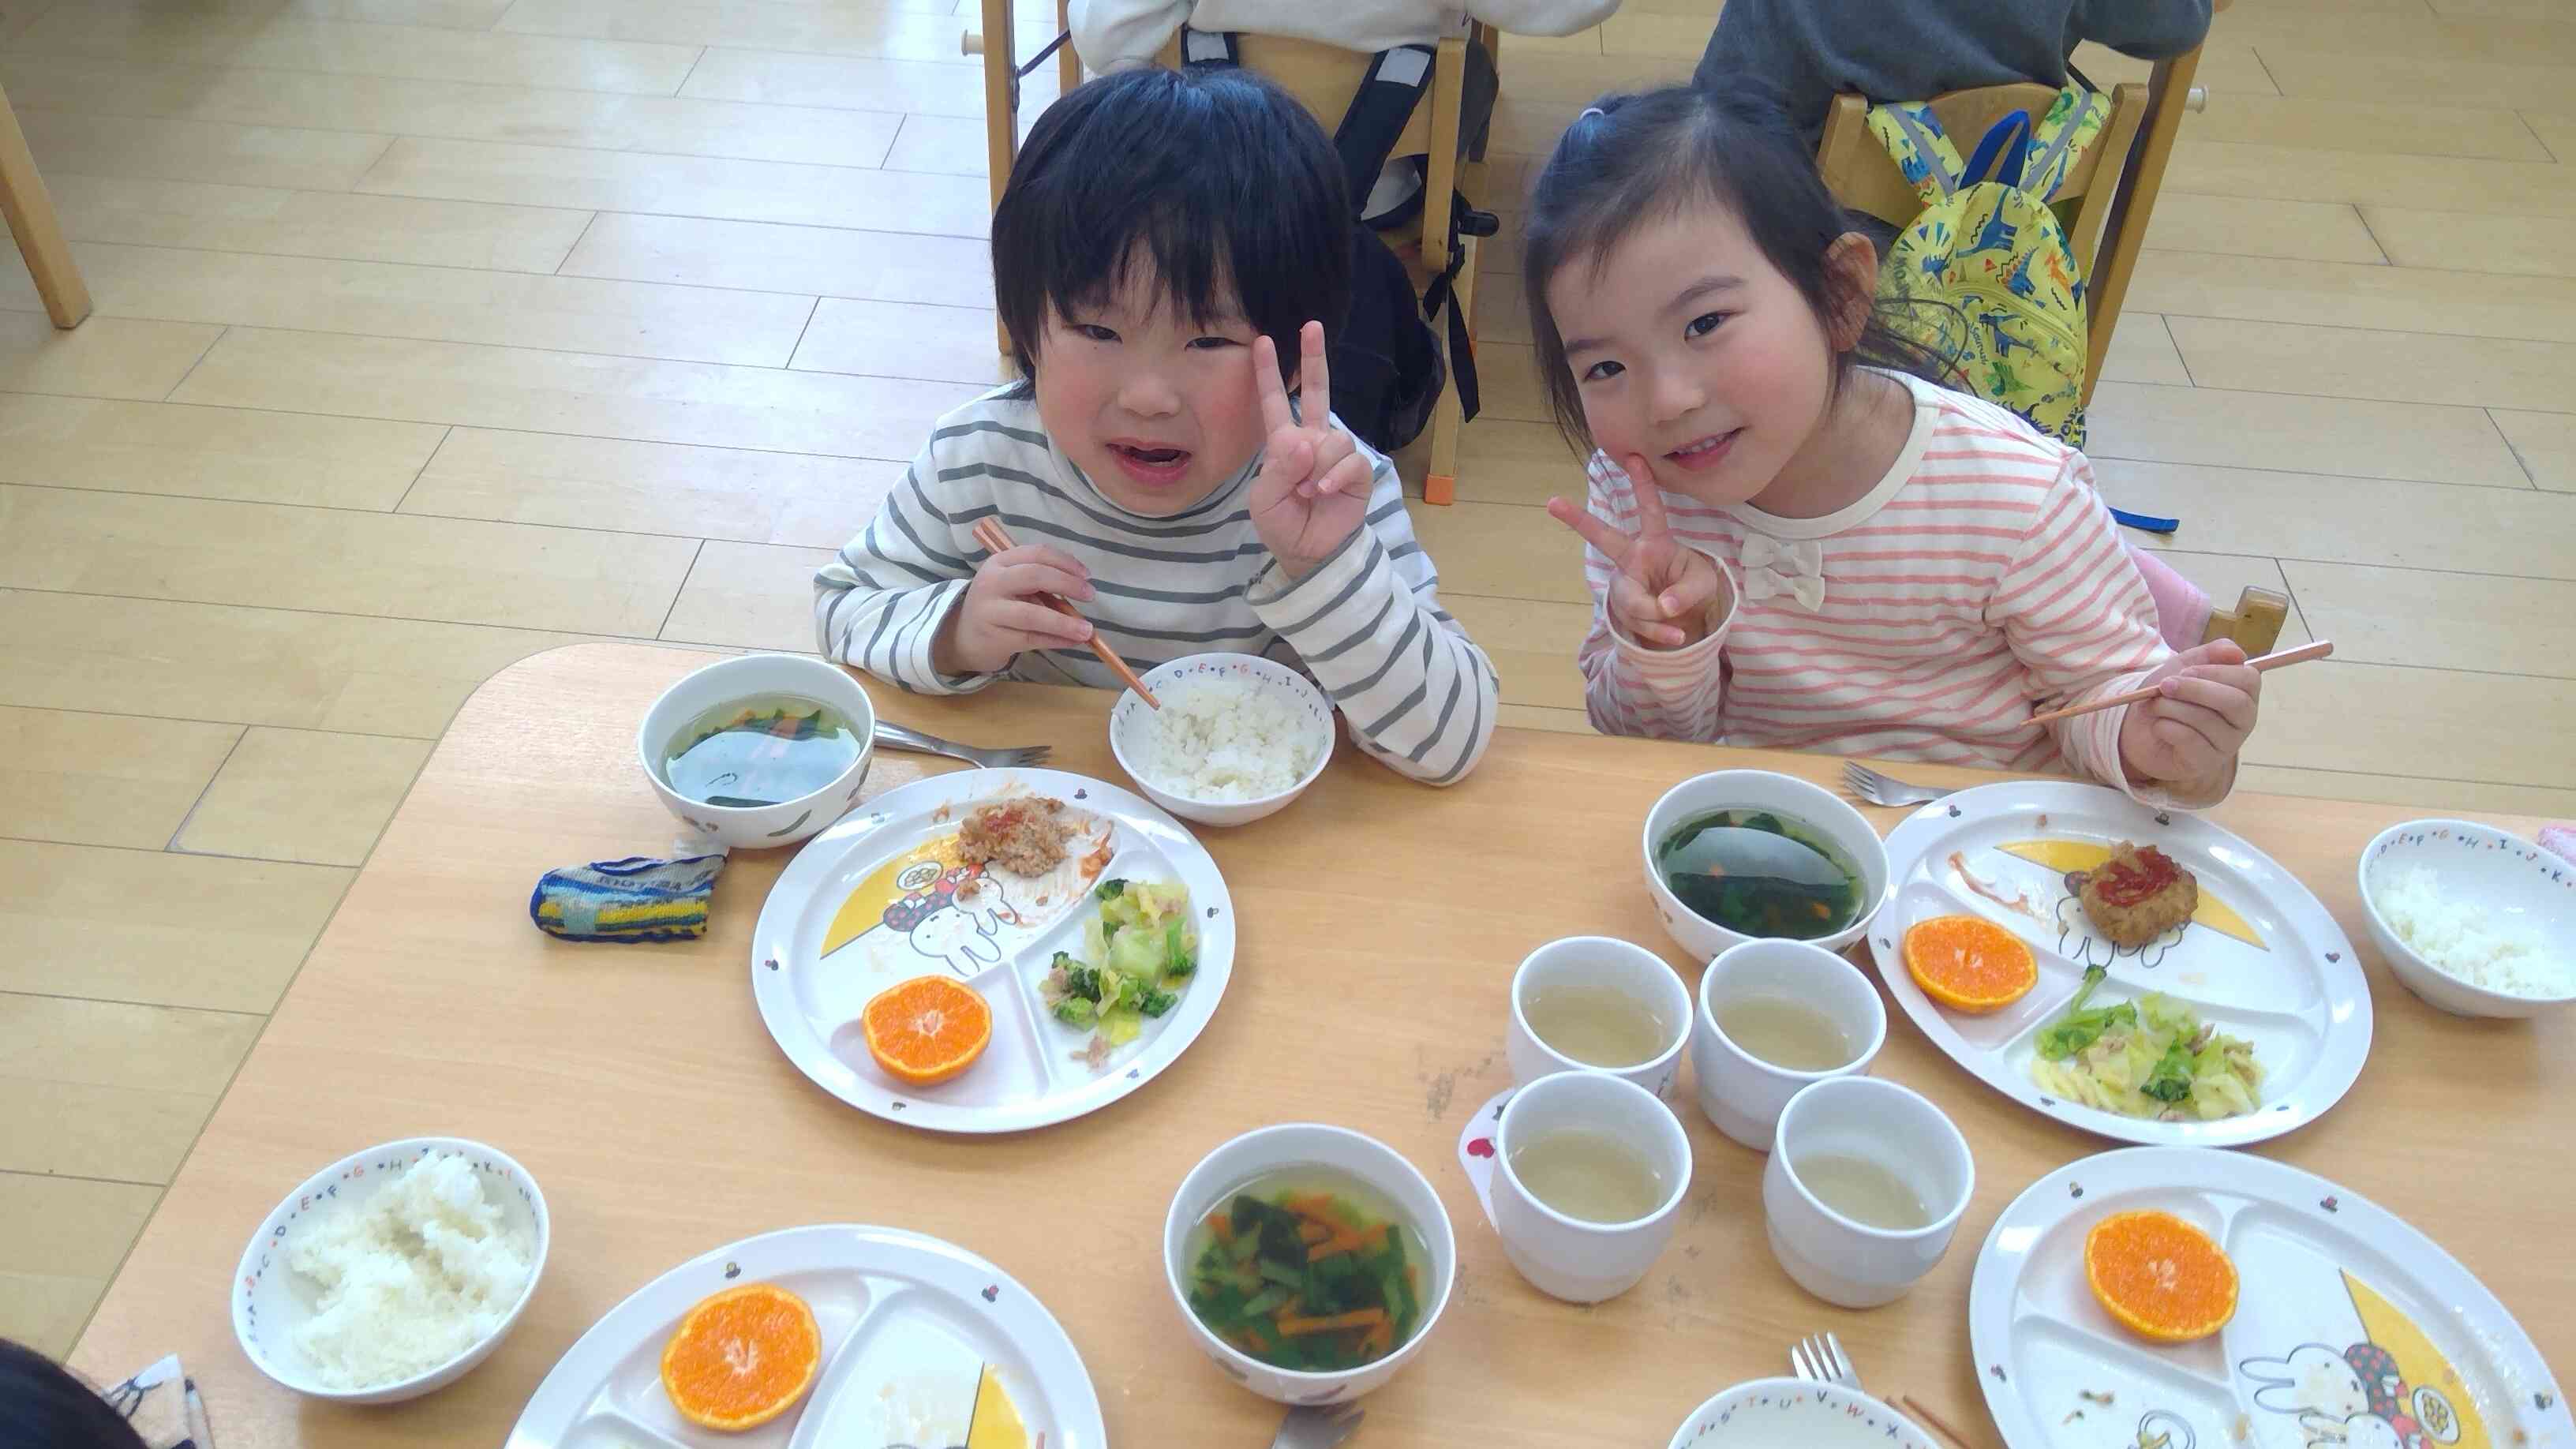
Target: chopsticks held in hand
x,y
2275,660
990,533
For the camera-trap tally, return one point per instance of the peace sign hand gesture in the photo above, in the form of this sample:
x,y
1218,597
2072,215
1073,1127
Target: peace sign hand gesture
x,y
1313,488
1662,592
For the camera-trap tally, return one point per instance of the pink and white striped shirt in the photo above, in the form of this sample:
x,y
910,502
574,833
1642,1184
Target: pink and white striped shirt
x,y
1980,582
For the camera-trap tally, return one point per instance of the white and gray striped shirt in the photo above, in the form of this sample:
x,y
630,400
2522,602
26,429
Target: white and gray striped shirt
x,y
1366,625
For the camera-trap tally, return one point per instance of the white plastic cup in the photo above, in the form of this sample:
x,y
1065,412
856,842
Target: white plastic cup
x,y
1847,1263
1744,1094
1621,966
1569,1257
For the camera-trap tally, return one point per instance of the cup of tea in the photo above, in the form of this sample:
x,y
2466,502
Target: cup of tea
x,y
1589,1175
1590,1003
1864,1188
1774,1018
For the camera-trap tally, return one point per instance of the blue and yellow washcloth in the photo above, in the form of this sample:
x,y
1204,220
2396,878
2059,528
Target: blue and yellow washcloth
x,y
635,899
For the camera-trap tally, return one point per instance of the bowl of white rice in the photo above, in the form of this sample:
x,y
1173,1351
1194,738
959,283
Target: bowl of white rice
x,y
2475,920
391,1272
1237,737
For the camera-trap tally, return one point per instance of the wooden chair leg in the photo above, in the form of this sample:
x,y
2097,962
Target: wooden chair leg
x,y
1440,482
2255,623
2168,93
1001,117
29,211
1068,66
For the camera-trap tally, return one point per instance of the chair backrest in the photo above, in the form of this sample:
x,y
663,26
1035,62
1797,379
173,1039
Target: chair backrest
x,y
1323,78
1863,177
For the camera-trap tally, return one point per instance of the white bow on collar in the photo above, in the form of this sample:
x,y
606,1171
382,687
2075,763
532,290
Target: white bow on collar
x,y
1796,568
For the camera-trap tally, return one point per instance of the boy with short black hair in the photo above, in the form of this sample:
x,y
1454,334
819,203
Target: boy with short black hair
x,y
1163,258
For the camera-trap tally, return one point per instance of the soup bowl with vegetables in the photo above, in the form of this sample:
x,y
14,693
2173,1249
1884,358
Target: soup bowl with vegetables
x,y
1309,1261
760,751
1742,855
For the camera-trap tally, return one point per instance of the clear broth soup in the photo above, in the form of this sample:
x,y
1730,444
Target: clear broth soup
x,y
766,750
1257,1281
1760,873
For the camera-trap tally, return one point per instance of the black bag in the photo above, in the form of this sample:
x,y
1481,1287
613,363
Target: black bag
x,y
1388,365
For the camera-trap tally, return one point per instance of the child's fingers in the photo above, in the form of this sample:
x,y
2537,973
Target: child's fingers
x,y
1592,529
2199,737
1314,377
1650,499
1352,475
1043,553
1275,413
1690,593
1036,624
1019,580
1289,455
2230,701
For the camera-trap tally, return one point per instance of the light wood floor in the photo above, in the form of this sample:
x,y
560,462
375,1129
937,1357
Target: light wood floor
x,y
431,333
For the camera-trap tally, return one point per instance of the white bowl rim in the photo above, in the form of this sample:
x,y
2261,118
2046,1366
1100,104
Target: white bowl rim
x,y
1967,1151
2388,933
1877,851
1287,677
1172,1269
644,745
1822,1391
267,1364
1857,1066
1669,1206
1664,1058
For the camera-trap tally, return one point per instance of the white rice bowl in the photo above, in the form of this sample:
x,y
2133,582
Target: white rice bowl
x,y
2469,940
1237,737
411,1278
1227,739
392,1272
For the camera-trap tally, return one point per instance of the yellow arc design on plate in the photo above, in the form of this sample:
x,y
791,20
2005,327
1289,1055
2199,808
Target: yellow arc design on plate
x,y
864,908
2420,1364
2065,855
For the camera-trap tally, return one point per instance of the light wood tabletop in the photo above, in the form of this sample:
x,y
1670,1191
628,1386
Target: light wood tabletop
x,y
1380,924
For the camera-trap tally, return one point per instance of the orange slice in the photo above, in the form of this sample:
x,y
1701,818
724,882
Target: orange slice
x,y
928,1029
1968,963
742,1357
2160,1276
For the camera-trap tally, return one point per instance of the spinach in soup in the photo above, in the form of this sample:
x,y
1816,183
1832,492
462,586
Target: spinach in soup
x,y
1760,873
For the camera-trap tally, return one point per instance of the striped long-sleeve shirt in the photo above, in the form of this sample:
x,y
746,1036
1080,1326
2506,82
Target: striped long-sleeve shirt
x,y
1366,625
1980,582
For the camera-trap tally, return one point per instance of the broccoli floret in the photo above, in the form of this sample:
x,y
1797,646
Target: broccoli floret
x,y
1079,980
1156,1001
1075,1011
2171,1080
1110,890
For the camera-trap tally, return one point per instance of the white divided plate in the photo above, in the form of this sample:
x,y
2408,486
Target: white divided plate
x,y
908,1324
2352,1330
2262,960
871,902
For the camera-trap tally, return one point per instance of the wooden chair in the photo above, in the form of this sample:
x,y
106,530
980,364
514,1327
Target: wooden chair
x,y
1324,78
2169,94
1864,177
30,214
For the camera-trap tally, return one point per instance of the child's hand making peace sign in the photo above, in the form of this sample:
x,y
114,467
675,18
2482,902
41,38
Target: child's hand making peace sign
x,y
1313,489
1662,593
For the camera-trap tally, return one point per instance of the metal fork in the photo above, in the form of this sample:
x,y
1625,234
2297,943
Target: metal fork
x,y
1318,1428
896,737
1880,789
1819,1358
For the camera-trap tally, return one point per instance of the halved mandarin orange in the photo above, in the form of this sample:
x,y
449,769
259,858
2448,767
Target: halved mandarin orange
x,y
928,1029
742,1357
1968,963
2161,1277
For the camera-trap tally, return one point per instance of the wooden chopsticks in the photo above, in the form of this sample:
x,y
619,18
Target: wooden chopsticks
x,y
2275,660
1909,1404
990,533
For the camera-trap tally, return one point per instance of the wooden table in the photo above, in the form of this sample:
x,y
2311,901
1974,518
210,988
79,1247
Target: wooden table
x,y
1381,923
